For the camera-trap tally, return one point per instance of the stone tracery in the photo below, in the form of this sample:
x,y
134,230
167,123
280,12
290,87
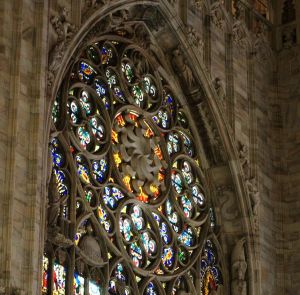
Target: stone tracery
x,y
140,192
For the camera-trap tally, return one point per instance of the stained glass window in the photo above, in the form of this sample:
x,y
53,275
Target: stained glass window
x,y
127,198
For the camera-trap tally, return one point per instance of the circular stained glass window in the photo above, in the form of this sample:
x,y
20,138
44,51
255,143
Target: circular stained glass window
x,y
127,174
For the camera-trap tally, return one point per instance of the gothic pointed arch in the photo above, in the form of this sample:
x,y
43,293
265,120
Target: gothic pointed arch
x,y
131,141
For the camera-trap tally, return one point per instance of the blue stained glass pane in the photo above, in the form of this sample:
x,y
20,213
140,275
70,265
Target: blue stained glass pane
x,y
168,257
82,169
86,73
165,233
151,289
104,219
60,178
119,273
106,55
57,157
78,284
109,200
210,256
99,170
177,182
187,237
101,90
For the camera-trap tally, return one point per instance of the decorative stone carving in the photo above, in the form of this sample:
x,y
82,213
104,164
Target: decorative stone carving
x,y
182,69
62,32
254,195
118,18
227,202
111,22
219,89
239,34
217,14
238,269
194,37
215,146
239,11
244,159
142,36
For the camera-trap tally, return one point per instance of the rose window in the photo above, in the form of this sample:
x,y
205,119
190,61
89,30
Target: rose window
x,y
128,202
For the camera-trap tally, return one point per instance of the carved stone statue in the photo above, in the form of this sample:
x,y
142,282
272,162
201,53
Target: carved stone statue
x,y
238,269
195,39
244,159
64,29
254,195
61,32
182,69
219,88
